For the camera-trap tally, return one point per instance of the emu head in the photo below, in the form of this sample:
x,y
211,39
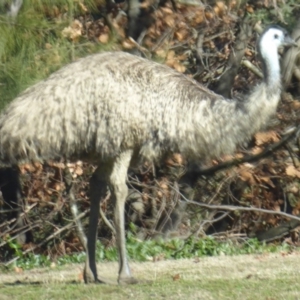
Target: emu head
x,y
271,39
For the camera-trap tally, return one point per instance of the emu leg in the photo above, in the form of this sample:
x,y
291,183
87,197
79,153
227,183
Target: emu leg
x,y
98,189
10,187
119,191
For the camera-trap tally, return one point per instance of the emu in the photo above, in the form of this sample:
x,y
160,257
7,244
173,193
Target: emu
x,y
115,109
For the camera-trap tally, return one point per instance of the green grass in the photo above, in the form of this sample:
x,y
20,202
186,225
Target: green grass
x,y
268,276
32,46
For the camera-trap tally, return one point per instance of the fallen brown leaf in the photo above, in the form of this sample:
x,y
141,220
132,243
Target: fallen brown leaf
x,y
176,277
292,171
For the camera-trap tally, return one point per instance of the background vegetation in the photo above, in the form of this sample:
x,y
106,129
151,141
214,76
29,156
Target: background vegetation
x,y
49,34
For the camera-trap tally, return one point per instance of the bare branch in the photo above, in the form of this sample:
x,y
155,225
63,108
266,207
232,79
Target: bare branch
x,y
240,208
250,158
59,231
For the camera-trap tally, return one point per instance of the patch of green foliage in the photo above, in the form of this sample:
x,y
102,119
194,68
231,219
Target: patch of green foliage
x,y
32,45
139,250
285,12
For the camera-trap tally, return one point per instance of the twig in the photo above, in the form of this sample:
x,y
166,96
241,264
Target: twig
x,y
290,151
21,215
105,220
212,37
199,47
246,63
162,39
59,231
27,228
239,208
250,158
73,205
227,235
224,215
220,186
224,84
143,50
174,201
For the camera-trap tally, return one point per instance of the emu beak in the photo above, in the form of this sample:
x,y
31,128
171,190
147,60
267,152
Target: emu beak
x,y
288,41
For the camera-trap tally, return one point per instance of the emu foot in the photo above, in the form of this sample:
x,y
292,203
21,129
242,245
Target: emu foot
x,y
127,280
90,278
88,275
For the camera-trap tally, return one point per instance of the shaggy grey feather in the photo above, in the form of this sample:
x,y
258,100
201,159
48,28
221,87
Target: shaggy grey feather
x,y
106,103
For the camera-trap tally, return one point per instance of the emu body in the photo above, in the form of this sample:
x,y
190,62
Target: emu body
x,y
104,104
114,108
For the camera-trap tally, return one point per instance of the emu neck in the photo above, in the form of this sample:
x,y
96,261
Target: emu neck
x,y
271,68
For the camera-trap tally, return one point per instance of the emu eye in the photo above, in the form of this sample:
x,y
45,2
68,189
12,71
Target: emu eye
x,y
276,36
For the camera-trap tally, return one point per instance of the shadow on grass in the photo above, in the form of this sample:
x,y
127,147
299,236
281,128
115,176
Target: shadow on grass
x,y
18,283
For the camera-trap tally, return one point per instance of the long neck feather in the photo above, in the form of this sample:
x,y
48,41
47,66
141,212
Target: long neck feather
x,y
231,123
271,66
